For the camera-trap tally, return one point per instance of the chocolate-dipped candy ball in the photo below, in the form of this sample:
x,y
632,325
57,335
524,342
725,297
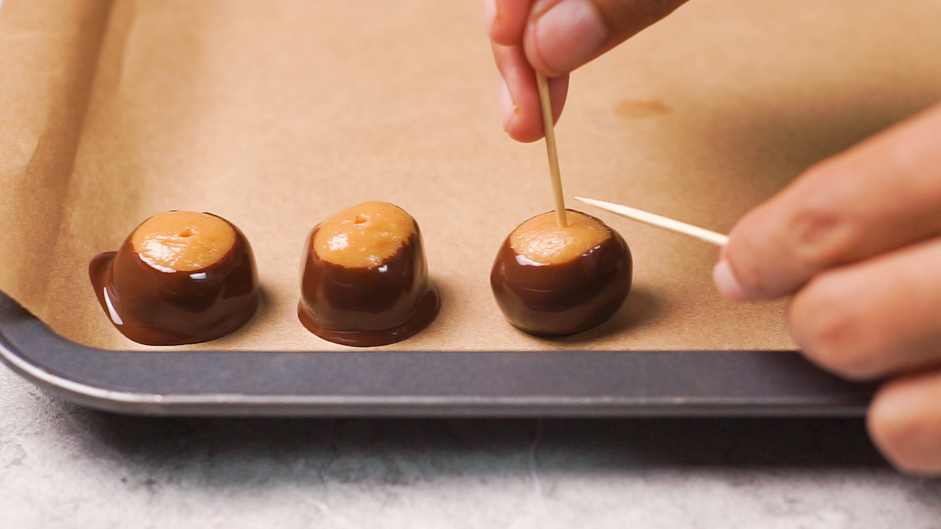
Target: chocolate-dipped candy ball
x,y
180,277
365,280
553,281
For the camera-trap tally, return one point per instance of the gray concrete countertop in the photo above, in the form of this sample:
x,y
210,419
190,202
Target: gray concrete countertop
x,y
65,466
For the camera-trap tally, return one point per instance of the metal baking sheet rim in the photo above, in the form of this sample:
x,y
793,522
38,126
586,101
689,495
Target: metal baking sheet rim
x,y
834,398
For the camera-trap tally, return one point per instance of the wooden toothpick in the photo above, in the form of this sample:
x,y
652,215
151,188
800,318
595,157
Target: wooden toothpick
x,y
546,104
660,222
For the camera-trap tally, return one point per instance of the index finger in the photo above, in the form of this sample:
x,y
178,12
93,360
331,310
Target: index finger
x,y
506,20
880,195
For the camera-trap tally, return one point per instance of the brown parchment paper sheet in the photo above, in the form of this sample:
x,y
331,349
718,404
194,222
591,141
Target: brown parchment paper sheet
x,y
276,114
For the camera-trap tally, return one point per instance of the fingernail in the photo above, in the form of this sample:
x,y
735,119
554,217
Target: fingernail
x,y
726,282
490,14
507,106
568,34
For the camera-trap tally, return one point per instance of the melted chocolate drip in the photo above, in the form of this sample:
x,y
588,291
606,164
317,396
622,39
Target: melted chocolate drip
x,y
153,307
368,306
565,298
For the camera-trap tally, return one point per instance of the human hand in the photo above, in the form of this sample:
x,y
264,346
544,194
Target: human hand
x,y
856,240
556,37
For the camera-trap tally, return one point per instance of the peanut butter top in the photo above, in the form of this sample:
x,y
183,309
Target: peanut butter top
x,y
542,241
182,241
364,235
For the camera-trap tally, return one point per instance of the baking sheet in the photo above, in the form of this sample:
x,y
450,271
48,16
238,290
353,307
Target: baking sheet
x,y
442,384
276,114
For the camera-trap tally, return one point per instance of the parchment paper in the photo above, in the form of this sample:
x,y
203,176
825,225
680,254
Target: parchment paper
x,y
276,114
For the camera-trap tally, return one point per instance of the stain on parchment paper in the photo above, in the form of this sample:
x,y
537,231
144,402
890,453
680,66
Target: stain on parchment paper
x,y
634,109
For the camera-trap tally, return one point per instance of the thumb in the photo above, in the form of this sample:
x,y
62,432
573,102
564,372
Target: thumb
x,y
561,35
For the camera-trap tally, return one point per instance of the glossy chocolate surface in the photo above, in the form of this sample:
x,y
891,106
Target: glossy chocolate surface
x,y
155,307
368,306
564,298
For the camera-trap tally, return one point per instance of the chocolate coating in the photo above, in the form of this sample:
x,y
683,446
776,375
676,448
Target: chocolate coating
x,y
368,306
564,298
155,307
